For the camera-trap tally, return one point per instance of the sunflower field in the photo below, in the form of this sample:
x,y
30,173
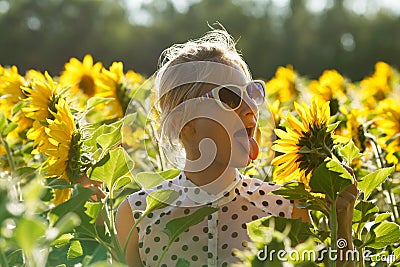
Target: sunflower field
x,y
75,145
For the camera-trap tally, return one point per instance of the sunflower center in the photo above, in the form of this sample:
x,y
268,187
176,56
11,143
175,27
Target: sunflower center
x,y
315,147
87,85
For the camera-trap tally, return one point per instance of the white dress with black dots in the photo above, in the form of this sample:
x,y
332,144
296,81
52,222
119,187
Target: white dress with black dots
x,y
209,243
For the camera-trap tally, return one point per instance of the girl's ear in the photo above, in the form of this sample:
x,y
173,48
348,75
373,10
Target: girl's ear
x,y
184,129
188,129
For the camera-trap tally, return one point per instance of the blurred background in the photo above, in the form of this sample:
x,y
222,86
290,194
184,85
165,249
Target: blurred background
x,y
312,35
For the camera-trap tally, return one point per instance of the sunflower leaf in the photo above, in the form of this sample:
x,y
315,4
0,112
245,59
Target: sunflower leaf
x,y
293,191
299,231
160,199
363,212
177,226
96,100
150,179
330,178
28,232
373,180
3,121
182,263
75,250
350,152
112,167
332,127
384,234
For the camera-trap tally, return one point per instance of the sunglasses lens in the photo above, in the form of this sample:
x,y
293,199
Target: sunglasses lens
x,y
231,96
256,91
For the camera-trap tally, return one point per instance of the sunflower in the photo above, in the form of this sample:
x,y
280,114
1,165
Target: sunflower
x,y
54,132
304,144
388,121
81,77
353,127
10,89
42,98
378,86
282,86
330,86
11,92
63,149
115,84
111,87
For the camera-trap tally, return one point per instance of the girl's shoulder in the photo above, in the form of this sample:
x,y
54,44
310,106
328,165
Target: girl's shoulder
x,y
260,194
255,185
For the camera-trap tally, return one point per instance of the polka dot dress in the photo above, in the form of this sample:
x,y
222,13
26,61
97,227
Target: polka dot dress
x,y
209,243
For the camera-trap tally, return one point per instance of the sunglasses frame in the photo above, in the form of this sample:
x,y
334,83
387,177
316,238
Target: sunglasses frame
x,y
213,93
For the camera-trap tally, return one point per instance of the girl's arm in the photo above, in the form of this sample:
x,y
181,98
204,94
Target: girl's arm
x,y
124,223
344,211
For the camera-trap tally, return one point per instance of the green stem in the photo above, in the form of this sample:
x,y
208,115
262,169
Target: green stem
x,y
3,259
159,150
10,160
110,224
360,250
333,223
164,251
131,232
385,186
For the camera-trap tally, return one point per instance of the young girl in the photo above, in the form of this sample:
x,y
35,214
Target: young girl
x,y
208,103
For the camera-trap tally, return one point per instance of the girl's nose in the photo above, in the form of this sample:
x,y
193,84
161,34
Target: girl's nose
x,y
248,110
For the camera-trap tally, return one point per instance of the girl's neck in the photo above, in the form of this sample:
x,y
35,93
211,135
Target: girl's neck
x,y
214,178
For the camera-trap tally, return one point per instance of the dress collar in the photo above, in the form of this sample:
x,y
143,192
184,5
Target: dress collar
x,y
193,195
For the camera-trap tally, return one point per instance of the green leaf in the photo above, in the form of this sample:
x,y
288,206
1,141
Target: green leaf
x,y
96,100
182,263
159,199
75,203
148,180
75,250
109,140
350,151
123,181
10,127
104,137
98,255
112,167
298,230
363,212
3,121
386,233
382,217
297,191
396,190
293,191
17,107
373,180
28,233
330,178
93,209
62,240
333,126
396,254
107,264
177,226
66,224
